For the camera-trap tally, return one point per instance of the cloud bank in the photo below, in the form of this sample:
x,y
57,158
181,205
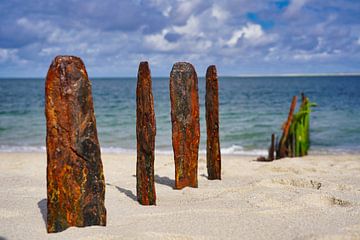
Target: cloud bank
x,y
239,36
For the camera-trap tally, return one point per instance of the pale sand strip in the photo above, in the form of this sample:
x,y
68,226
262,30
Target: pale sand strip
x,y
316,197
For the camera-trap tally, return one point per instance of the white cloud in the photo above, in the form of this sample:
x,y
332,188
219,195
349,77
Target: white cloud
x,y
192,38
294,7
158,42
50,51
164,6
8,54
186,7
250,31
39,27
219,13
167,11
191,27
306,56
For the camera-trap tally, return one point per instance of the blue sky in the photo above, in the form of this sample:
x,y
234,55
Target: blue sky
x,y
239,36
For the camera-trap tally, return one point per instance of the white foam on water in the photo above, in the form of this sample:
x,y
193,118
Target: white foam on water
x,y
117,150
10,149
239,150
232,150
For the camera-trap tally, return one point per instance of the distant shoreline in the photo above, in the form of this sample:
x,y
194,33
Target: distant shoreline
x,y
227,76
300,75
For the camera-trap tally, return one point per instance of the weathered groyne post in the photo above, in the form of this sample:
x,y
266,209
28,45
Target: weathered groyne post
x,y
213,156
284,144
185,123
271,155
145,136
75,179
295,139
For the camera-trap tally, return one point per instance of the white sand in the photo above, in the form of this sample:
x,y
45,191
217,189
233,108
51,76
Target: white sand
x,y
316,197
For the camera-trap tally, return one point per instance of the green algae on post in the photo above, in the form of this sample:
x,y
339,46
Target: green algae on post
x,y
295,140
299,131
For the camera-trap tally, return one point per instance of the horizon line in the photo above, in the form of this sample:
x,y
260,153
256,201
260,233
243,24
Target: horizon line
x,y
240,75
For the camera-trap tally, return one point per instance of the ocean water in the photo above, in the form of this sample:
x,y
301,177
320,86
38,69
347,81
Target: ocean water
x,y
251,108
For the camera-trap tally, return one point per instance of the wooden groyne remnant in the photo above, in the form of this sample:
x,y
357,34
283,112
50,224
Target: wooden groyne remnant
x,y
295,138
75,179
213,156
283,147
145,136
185,123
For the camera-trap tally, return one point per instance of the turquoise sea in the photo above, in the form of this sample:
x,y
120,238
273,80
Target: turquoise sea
x,y
251,108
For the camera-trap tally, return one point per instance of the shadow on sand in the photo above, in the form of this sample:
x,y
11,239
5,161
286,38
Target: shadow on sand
x,y
42,204
204,176
127,192
165,181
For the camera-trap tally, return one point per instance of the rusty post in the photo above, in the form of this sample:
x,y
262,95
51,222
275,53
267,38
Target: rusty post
x,y
75,179
185,123
283,146
213,156
145,136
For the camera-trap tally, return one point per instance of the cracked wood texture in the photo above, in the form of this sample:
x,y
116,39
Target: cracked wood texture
x,y
213,157
145,136
185,123
75,179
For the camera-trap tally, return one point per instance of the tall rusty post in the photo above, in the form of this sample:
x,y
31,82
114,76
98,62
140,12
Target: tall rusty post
x,y
75,179
145,136
185,123
213,156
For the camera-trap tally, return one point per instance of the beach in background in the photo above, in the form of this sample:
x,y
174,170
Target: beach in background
x,y
251,109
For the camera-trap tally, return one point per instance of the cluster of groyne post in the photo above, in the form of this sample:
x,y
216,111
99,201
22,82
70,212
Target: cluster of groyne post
x,y
295,138
75,179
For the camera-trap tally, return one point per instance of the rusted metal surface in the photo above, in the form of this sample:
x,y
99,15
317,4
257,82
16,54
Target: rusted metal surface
x,y
145,136
213,156
75,179
185,123
283,144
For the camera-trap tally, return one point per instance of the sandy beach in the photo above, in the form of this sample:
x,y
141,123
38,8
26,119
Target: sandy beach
x,y
315,197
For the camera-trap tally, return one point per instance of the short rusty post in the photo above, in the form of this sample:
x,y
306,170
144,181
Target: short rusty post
x,y
185,123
